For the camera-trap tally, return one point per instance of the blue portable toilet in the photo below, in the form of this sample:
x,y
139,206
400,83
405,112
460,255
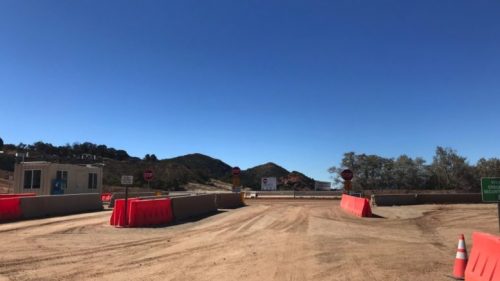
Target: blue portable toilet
x,y
58,186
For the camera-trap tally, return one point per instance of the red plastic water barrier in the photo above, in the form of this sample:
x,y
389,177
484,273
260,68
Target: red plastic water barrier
x,y
16,195
10,209
484,259
106,197
150,212
118,215
356,205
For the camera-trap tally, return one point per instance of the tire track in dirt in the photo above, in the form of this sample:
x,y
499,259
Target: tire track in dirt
x,y
103,251
243,223
33,225
79,254
427,225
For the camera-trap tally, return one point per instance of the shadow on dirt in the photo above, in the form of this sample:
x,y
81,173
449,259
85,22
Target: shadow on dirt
x,y
192,219
375,216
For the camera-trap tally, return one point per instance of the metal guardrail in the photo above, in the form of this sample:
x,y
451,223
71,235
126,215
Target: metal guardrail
x,y
318,193
293,194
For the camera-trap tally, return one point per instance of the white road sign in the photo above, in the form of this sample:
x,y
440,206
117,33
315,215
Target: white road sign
x,y
268,183
127,180
322,185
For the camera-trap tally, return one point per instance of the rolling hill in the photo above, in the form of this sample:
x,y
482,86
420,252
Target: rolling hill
x,y
198,168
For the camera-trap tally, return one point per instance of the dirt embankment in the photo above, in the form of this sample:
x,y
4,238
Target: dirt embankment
x,y
268,240
6,181
6,186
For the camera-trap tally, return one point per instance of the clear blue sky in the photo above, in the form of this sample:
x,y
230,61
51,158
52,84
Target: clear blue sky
x,y
294,82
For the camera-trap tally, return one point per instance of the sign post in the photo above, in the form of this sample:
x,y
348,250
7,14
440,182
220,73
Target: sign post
x,y
490,192
347,176
148,176
126,181
236,179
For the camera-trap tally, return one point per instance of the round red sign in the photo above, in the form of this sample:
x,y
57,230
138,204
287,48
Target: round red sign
x,y
347,174
148,175
236,171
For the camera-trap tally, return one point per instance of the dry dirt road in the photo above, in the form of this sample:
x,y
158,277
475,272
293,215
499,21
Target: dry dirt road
x,y
267,240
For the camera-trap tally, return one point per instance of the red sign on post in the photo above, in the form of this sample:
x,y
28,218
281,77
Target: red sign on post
x,y
347,174
148,175
236,171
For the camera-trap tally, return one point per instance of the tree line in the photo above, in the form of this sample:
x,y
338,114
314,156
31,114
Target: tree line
x,y
85,151
448,170
42,149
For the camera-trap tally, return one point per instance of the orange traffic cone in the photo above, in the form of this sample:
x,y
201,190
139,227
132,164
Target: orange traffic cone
x,y
461,259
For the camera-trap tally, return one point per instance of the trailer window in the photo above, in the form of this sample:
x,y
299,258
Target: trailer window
x,y
32,179
92,181
62,175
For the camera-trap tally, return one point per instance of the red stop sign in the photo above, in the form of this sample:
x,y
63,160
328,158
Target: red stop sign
x,y
148,175
347,174
236,171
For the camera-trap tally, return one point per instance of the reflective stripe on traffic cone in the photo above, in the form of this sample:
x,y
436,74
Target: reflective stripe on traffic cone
x,y
461,259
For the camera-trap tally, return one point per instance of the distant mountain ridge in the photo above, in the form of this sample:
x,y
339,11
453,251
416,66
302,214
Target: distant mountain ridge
x,y
198,168
286,180
169,174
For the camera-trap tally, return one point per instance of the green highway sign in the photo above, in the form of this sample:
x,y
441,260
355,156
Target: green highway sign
x,y
490,189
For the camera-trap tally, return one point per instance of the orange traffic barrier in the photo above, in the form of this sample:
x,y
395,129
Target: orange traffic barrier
x,y
150,212
16,195
460,259
118,216
484,261
10,209
356,205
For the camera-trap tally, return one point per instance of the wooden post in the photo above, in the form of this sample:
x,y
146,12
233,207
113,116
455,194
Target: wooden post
x,y
347,186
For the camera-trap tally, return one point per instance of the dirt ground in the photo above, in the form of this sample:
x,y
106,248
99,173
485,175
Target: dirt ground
x,y
267,240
